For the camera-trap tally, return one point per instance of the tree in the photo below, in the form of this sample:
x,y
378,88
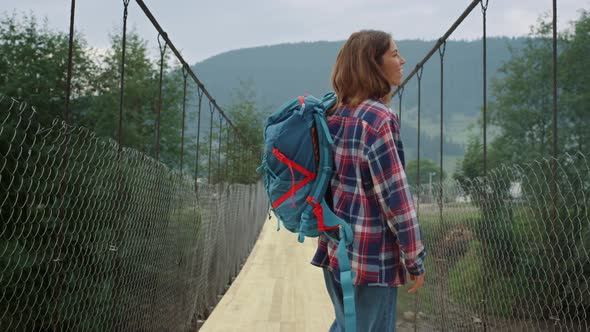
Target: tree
x,y
575,90
68,216
523,105
141,100
428,169
248,119
522,111
33,66
471,166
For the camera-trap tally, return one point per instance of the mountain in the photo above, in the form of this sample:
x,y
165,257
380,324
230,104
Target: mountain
x,y
280,72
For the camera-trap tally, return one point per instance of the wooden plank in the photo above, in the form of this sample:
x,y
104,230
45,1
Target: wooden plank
x,y
277,289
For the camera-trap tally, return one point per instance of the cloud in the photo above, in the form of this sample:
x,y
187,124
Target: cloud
x,y
201,29
518,21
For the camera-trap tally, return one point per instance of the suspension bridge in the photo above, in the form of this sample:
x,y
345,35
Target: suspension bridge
x,y
97,235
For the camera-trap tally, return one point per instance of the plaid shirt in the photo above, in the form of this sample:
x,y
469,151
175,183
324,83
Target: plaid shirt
x,y
370,191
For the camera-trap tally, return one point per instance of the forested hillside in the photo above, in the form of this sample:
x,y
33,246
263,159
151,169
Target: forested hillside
x,y
277,73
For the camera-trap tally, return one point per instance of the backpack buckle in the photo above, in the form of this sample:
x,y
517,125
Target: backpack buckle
x,y
318,212
301,106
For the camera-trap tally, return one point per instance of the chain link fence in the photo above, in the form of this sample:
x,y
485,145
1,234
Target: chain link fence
x,y
95,237
98,237
505,254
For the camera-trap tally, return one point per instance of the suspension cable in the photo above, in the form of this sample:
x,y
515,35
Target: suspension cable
x,y
419,75
219,147
465,13
159,110
185,75
211,110
400,95
200,95
164,35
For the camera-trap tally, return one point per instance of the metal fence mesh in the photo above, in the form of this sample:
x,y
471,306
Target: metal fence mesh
x,y
505,253
95,237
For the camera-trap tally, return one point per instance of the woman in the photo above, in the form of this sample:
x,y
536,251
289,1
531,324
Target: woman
x,y
369,187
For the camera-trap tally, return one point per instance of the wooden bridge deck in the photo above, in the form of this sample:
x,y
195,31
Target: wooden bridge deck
x,y
277,289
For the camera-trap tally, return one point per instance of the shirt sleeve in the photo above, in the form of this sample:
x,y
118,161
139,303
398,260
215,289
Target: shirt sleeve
x,y
393,192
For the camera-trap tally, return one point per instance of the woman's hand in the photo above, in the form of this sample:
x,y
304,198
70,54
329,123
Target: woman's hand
x,y
418,281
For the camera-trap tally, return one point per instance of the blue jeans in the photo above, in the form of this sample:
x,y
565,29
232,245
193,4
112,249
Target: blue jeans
x,y
375,306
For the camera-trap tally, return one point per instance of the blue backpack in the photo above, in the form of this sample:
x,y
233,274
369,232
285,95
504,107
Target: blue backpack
x,y
297,167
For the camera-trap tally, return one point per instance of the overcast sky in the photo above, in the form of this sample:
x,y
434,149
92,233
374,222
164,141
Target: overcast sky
x,y
201,29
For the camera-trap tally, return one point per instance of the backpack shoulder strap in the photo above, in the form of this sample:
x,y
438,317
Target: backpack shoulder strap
x,y
328,101
325,216
332,220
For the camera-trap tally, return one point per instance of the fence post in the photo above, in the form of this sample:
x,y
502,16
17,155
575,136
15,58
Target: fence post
x,y
114,248
63,183
484,301
556,301
444,259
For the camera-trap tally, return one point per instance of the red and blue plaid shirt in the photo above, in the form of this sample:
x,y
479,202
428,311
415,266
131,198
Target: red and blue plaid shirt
x,y
370,191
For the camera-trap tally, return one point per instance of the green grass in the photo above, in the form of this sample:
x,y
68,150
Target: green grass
x,y
426,297
429,297
509,283
469,285
465,282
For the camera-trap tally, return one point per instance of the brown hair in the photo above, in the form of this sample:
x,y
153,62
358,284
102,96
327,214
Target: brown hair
x,y
357,74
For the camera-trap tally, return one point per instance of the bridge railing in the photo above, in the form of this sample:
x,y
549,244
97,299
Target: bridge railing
x,y
98,236
498,259
112,239
508,250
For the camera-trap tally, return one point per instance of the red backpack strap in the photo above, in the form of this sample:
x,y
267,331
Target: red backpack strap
x,y
309,176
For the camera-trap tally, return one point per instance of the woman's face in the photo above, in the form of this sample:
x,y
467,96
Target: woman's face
x,y
392,63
